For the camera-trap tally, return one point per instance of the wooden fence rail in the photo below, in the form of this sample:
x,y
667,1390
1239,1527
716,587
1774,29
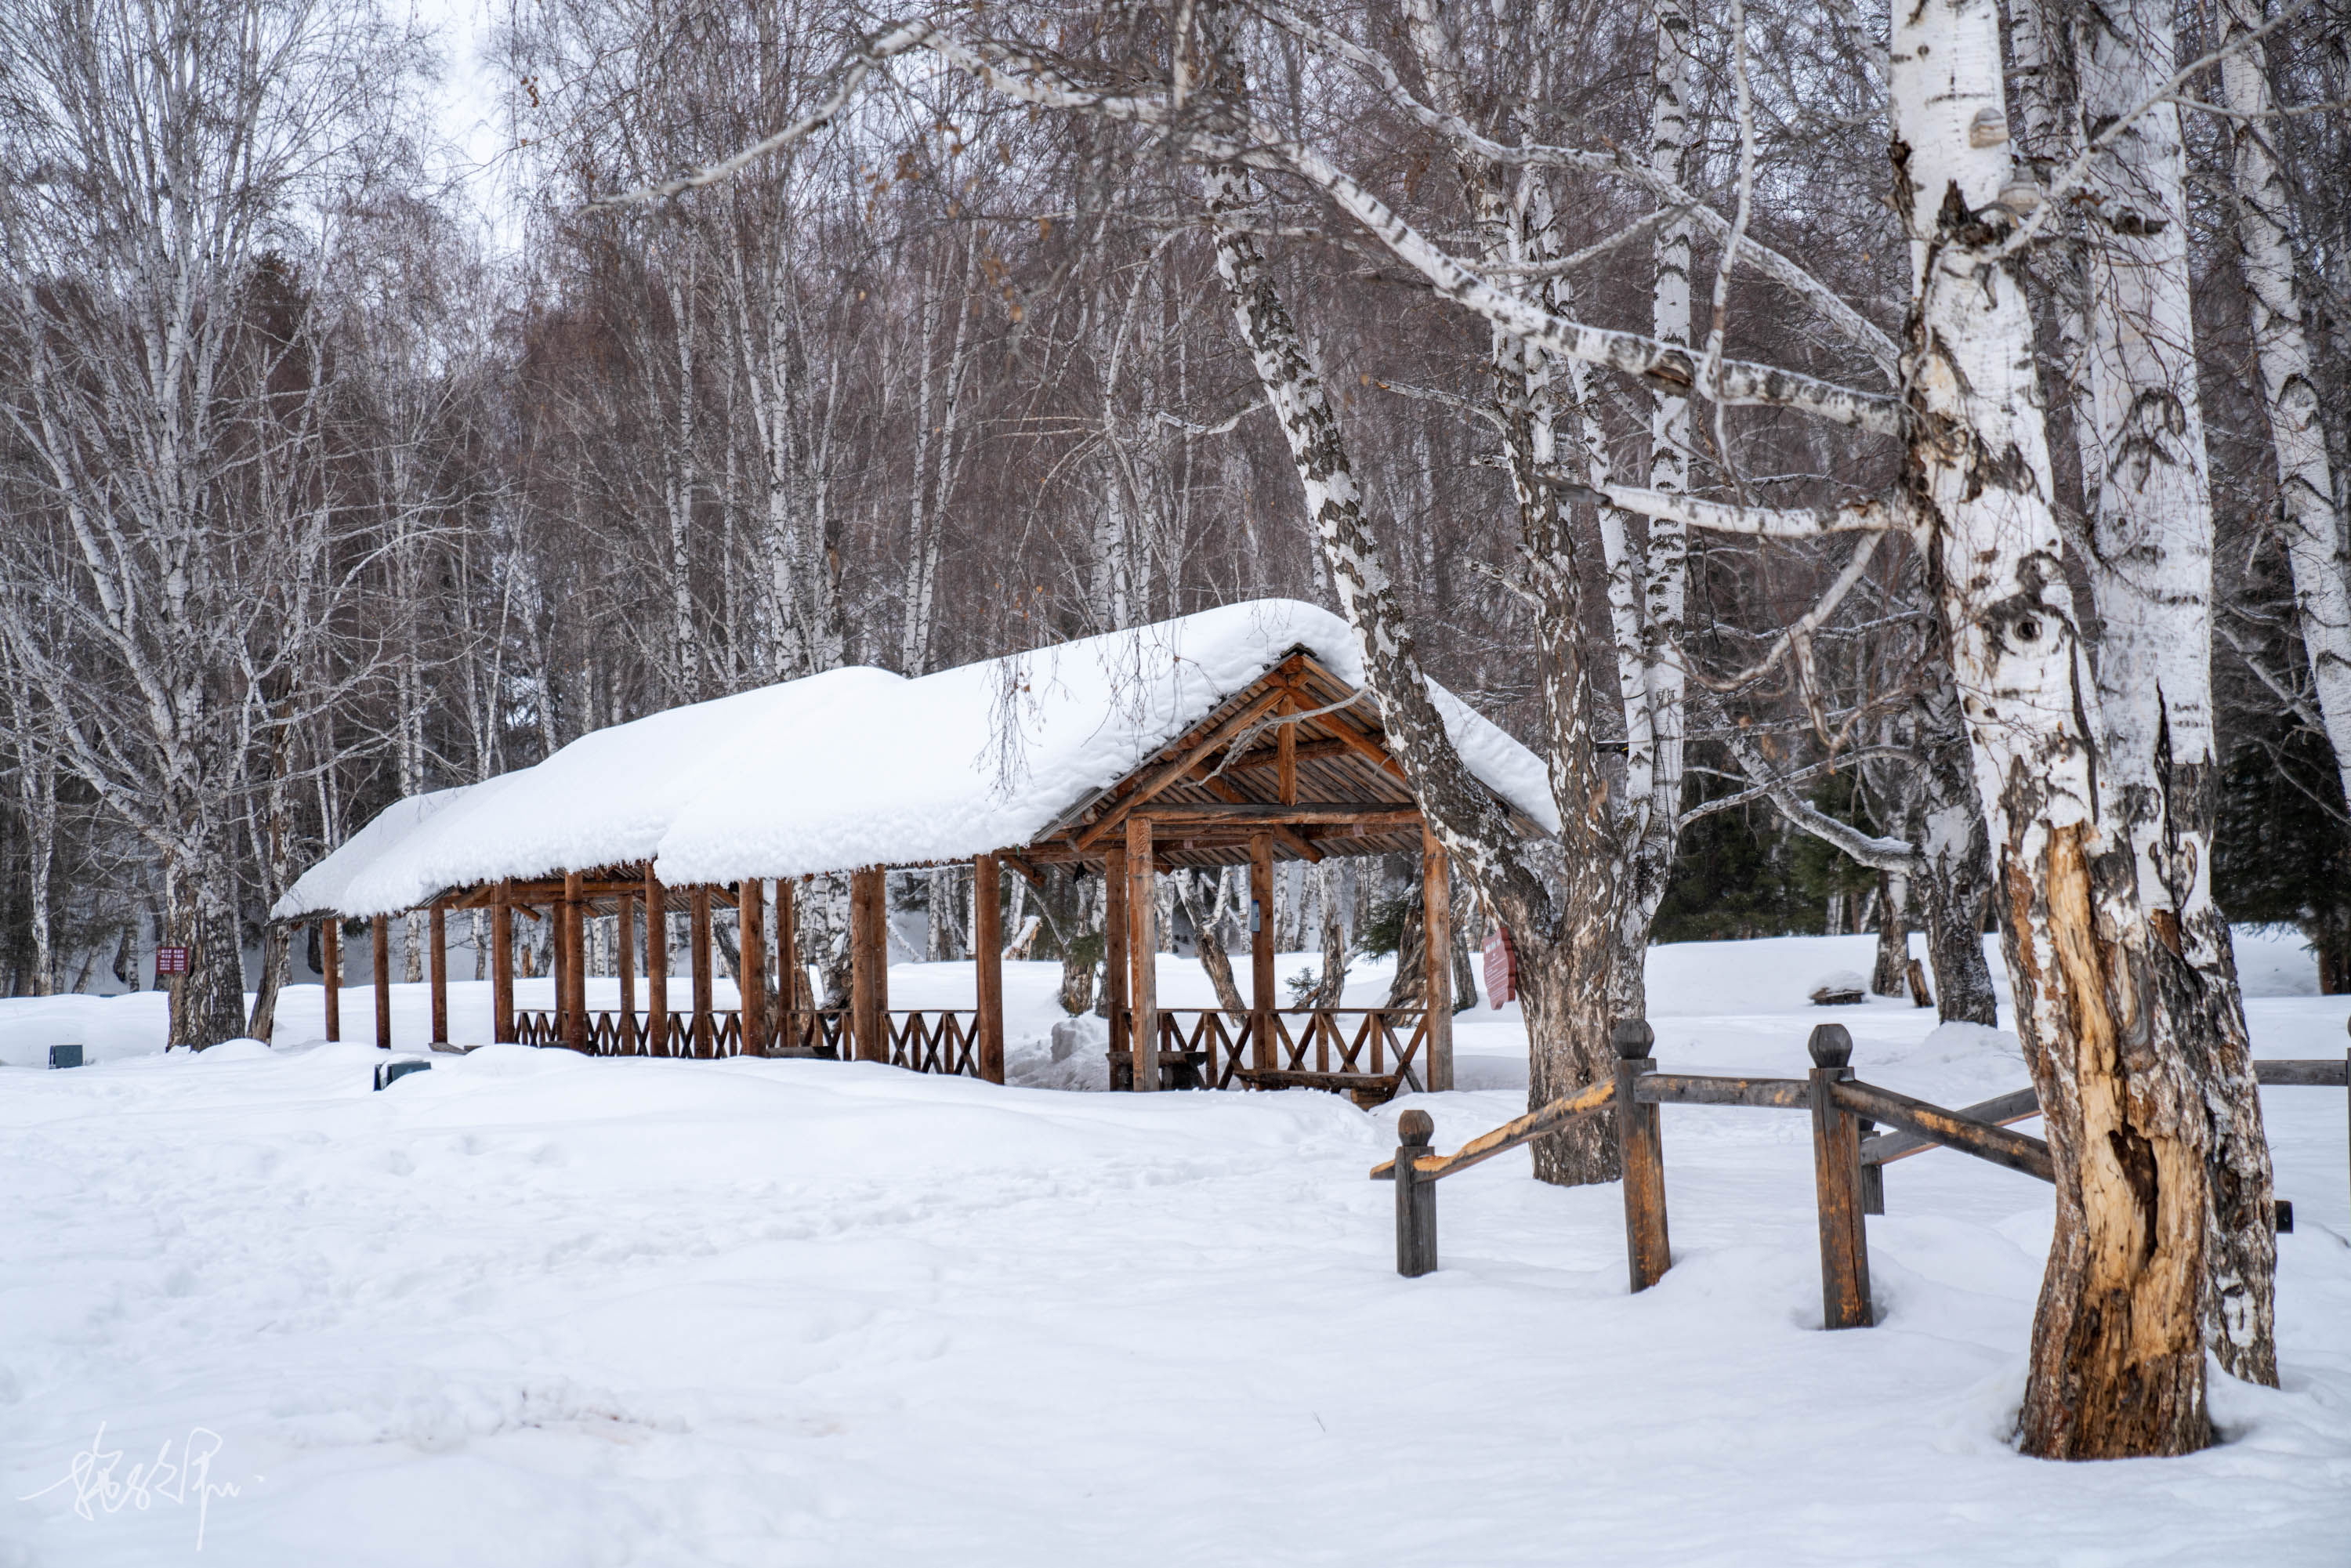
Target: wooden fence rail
x,y
1846,1155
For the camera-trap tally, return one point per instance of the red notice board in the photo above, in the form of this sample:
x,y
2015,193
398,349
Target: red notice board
x,y
171,961
1501,967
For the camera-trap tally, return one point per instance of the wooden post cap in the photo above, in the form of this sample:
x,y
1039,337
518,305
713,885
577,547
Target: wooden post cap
x,y
1831,1045
1632,1038
1416,1128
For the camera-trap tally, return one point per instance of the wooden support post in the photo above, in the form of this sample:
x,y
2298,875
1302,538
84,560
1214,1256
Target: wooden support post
x,y
437,931
1647,1252
1143,952
1836,1174
575,964
330,955
502,1000
704,1025
987,955
751,962
625,957
1436,958
1415,1198
869,954
380,950
1114,964
1262,1000
657,964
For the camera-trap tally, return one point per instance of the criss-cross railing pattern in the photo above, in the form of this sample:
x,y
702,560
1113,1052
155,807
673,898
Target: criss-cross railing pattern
x,y
941,1041
1374,1042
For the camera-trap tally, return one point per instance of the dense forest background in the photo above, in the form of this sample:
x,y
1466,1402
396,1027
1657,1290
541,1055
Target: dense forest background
x,y
325,485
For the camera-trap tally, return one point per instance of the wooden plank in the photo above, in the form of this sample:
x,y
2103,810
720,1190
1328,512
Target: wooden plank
x,y
1437,955
380,940
1510,1134
1688,1089
987,955
437,957
1997,1145
1640,1143
705,1035
1172,819
656,966
2001,1110
1028,873
625,929
2319,1073
502,995
1173,772
330,958
1143,952
868,956
575,971
1231,831
751,962
1263,997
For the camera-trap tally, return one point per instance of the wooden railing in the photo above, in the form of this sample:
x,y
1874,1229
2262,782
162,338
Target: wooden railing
x,y
1367,1051
941,1040
1848,1157
922,1040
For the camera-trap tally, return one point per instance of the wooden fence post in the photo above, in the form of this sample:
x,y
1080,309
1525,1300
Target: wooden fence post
x,y
1873,1175
1648,1251
1415,1198
330,956
1836,1173
437,930
380,950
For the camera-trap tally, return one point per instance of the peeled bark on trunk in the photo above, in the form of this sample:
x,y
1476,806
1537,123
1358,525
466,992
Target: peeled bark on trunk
x,y
2117,1361
1411,982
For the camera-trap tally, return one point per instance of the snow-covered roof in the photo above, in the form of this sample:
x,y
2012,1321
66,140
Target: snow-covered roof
x,y
860,766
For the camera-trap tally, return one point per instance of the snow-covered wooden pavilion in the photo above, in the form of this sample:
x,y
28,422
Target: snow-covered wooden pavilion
x,y
1237,735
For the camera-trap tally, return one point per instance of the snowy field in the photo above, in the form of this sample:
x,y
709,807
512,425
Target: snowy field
x,y
530,1309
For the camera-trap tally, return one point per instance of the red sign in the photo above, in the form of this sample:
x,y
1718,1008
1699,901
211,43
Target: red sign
x,y
171,960
1501,967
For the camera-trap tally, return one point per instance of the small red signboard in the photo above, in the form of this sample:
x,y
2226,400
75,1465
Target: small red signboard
x,y
171,960
1501,967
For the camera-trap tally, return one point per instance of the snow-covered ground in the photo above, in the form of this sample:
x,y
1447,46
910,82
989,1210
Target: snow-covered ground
x,y
529,1309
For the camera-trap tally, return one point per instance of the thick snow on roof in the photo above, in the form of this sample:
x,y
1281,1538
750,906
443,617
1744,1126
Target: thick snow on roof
x,y
860,766
324,888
